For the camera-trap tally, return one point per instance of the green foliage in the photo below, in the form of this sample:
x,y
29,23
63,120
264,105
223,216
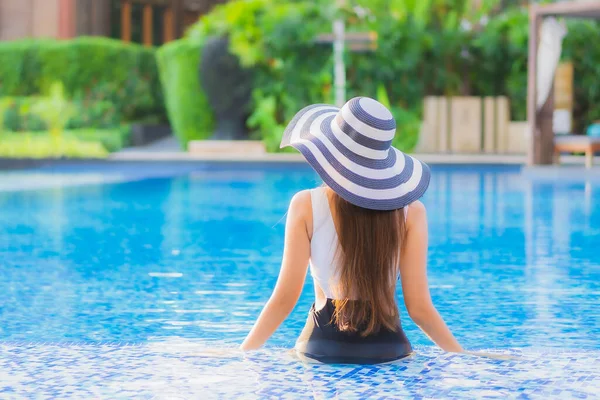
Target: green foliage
x,y
109,70
276,39
424,48
95,114
262,119
502,50
585,55
186,104
111,139
408,123
20,67
4,104
55,110
35,145
18,114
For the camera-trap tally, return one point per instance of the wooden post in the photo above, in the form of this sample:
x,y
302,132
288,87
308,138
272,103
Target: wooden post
x,y
126,20
168,28
533,153
545,123
99,18
147,25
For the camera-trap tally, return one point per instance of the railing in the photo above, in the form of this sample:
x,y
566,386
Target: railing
x,y
172,16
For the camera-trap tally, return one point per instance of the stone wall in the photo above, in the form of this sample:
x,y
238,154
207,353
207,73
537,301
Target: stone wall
x,y
470,125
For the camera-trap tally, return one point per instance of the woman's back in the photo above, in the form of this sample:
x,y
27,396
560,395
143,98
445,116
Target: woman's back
x,y
356,238
324,338
324,245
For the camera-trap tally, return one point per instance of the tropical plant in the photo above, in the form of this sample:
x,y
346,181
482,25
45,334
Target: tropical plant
x,y
55,110
276,40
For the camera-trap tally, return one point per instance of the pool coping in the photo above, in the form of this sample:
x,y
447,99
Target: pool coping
x,y
284,158
298,158
567,162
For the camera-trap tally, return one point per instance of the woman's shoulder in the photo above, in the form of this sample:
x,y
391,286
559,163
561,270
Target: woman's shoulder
x,y
417,213
301,198
416,207
301,203
300,210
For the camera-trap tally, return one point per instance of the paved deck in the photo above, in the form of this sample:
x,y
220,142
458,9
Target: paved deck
x,y
564,173
168,149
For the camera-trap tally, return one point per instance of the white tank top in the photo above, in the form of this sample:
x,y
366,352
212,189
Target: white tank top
x,y
323,244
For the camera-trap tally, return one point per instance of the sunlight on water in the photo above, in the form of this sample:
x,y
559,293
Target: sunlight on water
x,y
193,367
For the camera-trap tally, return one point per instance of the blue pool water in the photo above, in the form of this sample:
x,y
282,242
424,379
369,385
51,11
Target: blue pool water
x,y
121,281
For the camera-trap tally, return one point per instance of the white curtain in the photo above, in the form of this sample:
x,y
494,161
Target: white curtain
x,y
552,33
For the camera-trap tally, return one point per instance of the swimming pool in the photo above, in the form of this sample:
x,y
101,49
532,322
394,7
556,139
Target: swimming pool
x,y
120,281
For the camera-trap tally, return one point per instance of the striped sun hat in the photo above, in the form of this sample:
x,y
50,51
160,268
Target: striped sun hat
x,y
351,149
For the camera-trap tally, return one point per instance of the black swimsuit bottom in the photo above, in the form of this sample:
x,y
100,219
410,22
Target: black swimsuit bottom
x,y
321,340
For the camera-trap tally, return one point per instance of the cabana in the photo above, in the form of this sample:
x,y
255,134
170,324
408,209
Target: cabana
x,y
543,148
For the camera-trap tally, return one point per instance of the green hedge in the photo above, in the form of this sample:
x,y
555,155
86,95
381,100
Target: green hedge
x,y
186,104
95,68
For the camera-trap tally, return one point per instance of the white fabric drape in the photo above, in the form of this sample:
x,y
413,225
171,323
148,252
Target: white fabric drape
x,y
552,34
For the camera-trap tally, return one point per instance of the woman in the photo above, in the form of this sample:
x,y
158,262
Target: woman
x,y
360,233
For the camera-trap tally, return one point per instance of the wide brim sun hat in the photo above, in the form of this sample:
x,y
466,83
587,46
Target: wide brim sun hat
x,y
351,150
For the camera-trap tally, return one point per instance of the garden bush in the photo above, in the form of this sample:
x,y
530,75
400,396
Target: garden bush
x,y
185,102
96,68
17,115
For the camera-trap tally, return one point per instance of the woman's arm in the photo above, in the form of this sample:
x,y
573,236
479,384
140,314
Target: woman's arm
x,y
292,275
413,271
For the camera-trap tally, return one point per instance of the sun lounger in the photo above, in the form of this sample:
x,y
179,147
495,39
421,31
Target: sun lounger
x,y
577,144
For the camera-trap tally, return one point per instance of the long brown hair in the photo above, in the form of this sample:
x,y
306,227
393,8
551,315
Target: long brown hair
x,y
367,259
